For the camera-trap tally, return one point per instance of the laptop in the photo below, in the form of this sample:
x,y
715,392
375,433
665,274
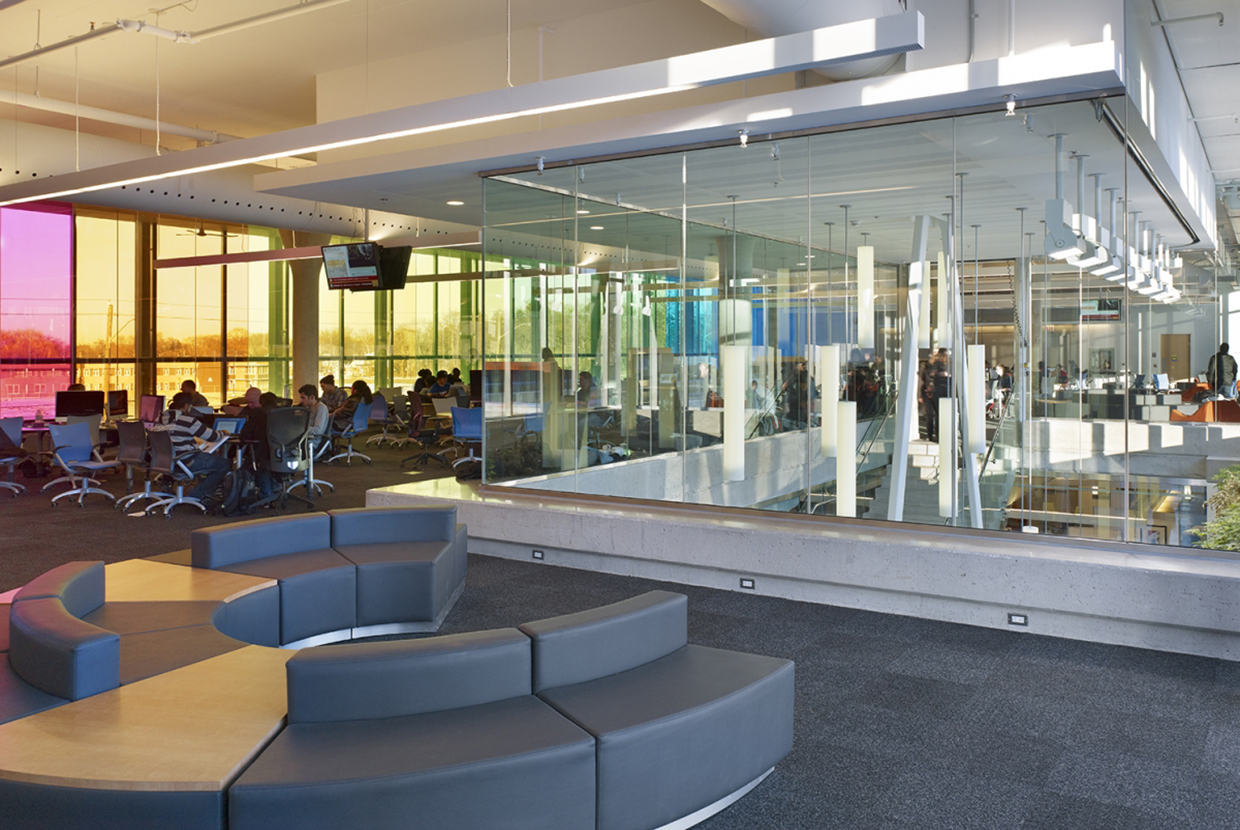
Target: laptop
x,y
228,424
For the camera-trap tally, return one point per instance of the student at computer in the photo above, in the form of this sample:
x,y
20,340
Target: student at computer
x,y
320,418
442,387
191,388
186,431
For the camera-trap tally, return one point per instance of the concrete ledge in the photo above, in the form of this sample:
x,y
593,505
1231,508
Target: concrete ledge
x,y
1125,594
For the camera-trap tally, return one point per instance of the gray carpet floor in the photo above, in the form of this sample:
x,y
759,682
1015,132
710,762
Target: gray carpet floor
x,y
901,723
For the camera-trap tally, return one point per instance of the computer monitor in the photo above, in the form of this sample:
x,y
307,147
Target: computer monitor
x,y
118,403
150,408
1162,382
79,403
231,425
1139,383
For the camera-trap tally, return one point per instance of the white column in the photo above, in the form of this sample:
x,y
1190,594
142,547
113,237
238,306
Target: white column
x,y
865,297
947,457
735,361
975,399
906,412
924,329
943,334
828,373
846,460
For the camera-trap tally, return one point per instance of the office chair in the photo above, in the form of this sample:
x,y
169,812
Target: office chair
x,y
320,445
164,462
134,454
425,432
288,455
361,419
76,455
466,432
379,415
10,455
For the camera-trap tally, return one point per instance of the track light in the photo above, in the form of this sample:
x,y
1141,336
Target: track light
x,y
1011,104
541,163
744,134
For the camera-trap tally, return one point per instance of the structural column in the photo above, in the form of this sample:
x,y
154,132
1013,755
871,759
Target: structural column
x,y
304,341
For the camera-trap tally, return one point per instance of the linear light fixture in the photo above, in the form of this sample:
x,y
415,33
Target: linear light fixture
x,y
790,53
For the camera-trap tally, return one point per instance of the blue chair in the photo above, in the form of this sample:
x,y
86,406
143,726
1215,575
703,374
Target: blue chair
x,y
467,431
380,416
361,420
12,429
75,454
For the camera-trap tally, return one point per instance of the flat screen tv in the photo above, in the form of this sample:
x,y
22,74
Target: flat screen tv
x,y
354,266
118,403
79,403
150,408
394,267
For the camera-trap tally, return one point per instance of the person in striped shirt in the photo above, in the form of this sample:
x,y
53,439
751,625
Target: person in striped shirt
x,y
186,432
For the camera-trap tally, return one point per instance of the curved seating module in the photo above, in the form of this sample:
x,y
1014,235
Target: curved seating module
x,y
437,733
717,721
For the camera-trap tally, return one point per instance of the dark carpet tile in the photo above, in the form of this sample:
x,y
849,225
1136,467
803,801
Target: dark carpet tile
x,y
1141,694
1052,811
1222,753
957,664
1068,653
965,747
840,648
1150,736
1144,784
938,798
919,696
1028,713
1048,678
904,735
1218,803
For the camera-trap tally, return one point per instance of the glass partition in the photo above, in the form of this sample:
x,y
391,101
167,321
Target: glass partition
x,y
974,321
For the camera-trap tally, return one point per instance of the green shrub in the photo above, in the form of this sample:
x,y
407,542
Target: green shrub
x,y
1223,532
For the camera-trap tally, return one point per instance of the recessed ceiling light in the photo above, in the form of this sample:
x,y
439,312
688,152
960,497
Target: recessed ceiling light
x,y
596,227
455,202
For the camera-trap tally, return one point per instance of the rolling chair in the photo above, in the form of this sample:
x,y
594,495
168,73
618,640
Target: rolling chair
x,y
320,445
379,415
288,455
133,453
361,419
75,454
424,432
466,432
164,462
10,454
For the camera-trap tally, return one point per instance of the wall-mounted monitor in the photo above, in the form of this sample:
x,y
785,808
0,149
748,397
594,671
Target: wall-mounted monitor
x,y
118,403
366,266
354,266
79,403
150,408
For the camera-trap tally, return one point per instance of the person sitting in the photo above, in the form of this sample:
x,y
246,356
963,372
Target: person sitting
x,y
186,432
333,397
76,387
361,396
424,381
585,388
442,387
1221,372
254,434
191,388
319,416
454,377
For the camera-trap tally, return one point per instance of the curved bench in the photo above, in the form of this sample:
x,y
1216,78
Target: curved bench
x,y
346,574
606,719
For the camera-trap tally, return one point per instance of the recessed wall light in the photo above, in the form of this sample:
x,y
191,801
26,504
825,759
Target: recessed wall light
x,y
455,202
596,227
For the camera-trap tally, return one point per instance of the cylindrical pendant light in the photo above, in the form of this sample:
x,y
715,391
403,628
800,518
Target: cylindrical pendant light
x,y
947,456
975,376
865,297
828,373
846,460
735,360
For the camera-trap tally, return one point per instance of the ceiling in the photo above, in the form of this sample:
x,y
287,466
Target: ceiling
x,y
248,83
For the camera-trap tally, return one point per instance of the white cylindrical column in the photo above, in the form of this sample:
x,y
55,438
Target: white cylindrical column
x,y
735,360
975,398
846,459
865,297
947,456
828,373
942,333
924,329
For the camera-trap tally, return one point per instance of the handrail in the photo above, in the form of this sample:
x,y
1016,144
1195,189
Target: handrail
x,y
891,405
1003,411
762,413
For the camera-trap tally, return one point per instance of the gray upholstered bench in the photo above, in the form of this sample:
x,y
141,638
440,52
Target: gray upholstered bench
x,y
436,733
411,564
682,730
318,586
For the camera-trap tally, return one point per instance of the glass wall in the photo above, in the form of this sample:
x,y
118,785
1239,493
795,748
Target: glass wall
x,y
36,283
972,321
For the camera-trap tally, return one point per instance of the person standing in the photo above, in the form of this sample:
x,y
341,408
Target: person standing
x,y
1221,372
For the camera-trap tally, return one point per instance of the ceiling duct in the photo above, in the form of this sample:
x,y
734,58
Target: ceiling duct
x,y
772,18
